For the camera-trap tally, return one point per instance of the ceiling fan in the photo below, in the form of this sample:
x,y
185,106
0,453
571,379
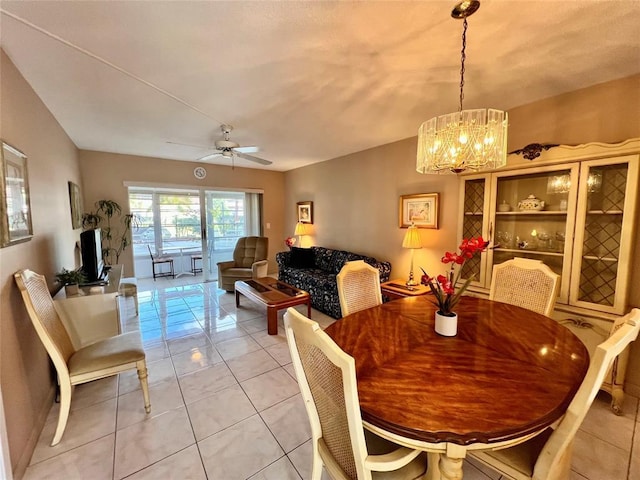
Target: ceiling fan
x,y
228,149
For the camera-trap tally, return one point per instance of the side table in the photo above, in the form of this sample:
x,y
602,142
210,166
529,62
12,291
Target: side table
x,y
394,289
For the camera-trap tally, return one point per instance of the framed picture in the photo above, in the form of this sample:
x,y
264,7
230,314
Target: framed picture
x,y
305,212
420,209
75,201
15,226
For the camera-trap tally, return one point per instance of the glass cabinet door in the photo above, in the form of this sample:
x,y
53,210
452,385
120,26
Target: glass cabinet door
x,y
534,218
606,208
475,202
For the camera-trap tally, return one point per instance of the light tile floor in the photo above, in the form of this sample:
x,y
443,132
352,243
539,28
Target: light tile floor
x,y
225,404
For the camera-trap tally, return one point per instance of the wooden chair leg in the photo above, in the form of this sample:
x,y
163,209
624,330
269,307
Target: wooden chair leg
x,y
63,416
144,384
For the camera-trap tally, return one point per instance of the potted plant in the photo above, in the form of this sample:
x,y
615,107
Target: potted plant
x,y
443,287
70,279
114,239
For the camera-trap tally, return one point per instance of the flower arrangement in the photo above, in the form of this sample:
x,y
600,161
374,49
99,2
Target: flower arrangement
x,y
290,241
443,287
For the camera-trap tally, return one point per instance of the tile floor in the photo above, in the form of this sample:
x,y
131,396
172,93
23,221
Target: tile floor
x,y
225,404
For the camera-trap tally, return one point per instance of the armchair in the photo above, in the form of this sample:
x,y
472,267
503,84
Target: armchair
x,y
249,261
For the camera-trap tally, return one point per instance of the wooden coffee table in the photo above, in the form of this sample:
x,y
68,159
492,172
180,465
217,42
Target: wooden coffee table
x,y
273,294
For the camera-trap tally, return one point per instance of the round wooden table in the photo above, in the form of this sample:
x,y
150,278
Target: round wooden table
x,y
507,375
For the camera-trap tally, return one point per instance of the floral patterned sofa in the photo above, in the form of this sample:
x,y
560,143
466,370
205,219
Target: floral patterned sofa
x,y
314,270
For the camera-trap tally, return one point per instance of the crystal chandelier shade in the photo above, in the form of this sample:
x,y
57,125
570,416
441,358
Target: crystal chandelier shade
x,y
468,139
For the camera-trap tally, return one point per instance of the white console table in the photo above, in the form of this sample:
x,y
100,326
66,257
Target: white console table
x,y
93,314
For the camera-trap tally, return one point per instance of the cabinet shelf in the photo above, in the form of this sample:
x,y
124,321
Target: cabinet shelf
x,y
534,252
535,212
602,259
472,214
605,212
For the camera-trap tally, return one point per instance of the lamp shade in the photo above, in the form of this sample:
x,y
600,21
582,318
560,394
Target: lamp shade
x,y
302,229
412,238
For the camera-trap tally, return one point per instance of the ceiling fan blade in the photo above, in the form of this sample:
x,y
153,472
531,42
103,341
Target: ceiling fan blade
x,y
208,147
246,149
251,158
209,157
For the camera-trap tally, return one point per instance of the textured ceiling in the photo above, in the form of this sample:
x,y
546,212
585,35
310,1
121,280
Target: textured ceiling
x,y
304,81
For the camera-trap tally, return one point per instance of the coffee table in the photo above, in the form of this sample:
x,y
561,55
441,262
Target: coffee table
x,y
273,294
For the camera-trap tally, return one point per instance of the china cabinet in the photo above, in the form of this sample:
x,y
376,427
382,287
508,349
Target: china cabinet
x,y
574,209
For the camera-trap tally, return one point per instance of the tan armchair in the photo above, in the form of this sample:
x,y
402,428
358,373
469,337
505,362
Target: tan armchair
x,y
249,261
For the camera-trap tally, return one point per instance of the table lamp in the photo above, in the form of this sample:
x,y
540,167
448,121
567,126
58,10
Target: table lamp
x,y
412,241
301,229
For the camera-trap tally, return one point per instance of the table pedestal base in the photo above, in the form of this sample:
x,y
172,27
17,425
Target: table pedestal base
x,y
450,468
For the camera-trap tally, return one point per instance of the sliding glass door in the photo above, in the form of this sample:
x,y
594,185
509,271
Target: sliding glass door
x,y
186,223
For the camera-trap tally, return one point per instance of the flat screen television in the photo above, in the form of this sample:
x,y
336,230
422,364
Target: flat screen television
x,y
91,250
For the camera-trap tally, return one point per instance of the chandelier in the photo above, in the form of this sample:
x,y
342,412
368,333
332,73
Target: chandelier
x,y
468,139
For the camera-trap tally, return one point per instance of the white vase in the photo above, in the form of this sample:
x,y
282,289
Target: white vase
x,y
446,326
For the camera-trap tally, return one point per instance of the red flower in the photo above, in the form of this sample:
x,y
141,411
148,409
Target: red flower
x,y
443,287
452,257
290,241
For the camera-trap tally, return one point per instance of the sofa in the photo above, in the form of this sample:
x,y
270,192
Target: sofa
x,y
314,270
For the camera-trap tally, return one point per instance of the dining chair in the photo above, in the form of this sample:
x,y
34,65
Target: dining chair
x,y
194,259
358,287
327,379
160,260
525,283
101,359
547,456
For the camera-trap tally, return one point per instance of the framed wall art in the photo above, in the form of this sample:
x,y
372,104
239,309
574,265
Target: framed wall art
x,y
421,209
305,212
15,224
75,201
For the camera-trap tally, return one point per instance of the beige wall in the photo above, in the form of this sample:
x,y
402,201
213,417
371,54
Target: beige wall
x,y
25,375
355,207
356,197
104,174
355,202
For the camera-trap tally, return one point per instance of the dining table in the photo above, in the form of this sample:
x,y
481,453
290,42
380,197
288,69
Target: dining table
x,y
507,375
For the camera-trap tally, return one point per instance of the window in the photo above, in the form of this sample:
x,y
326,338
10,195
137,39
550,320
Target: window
x,y
225,219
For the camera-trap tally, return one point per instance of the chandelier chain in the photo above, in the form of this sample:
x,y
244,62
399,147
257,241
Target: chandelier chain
x,y
463,56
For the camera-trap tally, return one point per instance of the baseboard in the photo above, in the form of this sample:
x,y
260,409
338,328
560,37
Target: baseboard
x,y
632,389
23,461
